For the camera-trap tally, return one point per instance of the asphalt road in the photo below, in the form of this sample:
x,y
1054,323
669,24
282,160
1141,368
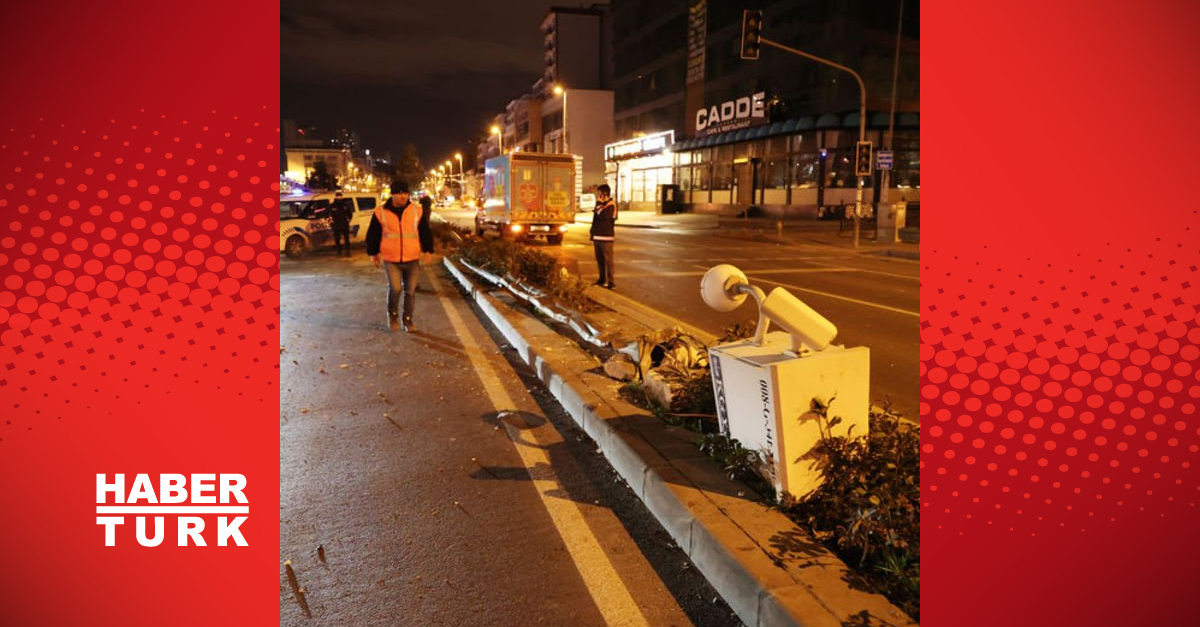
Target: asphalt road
x,y
874,301
427,480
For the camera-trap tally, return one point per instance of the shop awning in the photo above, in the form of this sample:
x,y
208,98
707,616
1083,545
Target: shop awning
x,y
797,125
830,120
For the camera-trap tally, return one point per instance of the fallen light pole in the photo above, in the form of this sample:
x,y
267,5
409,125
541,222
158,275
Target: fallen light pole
x,y
765,386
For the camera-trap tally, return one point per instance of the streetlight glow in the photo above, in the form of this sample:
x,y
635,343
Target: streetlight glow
x,y
462,175
500,136
560,90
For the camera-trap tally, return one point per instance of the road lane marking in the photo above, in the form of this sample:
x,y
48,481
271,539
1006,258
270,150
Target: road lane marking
x,y
866,303
679,273
606,586
909,277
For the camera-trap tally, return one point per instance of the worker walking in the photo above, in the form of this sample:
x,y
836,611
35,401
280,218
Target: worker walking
x,y
393,242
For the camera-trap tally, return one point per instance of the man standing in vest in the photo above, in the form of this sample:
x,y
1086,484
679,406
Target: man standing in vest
x,y
603,220
393,242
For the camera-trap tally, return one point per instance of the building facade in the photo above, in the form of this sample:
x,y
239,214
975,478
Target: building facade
x,y
777,133
579,122
576,43
569,107
302,161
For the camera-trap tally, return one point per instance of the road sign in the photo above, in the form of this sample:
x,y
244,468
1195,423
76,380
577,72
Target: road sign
x,y
883,160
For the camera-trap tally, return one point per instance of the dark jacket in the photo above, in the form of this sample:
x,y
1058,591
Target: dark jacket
x,y
341,211
604,219
375,231
423,229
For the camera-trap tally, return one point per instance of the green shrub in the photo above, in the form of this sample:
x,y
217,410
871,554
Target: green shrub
x,y
528,265
868,509
495,256
448,235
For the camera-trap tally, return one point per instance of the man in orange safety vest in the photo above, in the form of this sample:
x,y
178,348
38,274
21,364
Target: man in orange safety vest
x,y
393,242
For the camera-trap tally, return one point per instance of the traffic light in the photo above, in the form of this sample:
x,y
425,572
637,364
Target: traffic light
x,y
752,20
862,161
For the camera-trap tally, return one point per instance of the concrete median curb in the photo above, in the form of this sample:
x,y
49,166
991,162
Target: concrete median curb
x,y
766,568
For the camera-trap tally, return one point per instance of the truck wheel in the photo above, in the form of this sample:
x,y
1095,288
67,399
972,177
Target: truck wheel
x,y
294,248
554,240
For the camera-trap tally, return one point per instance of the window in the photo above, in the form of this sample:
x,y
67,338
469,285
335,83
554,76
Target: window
x,y
701,177
907,169
774,171
292,208
775,146
683,176
366,204
804,170
839,167
722,174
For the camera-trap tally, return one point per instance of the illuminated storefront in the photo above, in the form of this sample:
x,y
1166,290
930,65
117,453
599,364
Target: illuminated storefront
x,y
637,168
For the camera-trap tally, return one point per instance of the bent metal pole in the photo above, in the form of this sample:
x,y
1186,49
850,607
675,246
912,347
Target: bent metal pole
x,y
862,117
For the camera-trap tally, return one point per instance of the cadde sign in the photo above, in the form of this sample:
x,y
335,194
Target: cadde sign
x,y
731,115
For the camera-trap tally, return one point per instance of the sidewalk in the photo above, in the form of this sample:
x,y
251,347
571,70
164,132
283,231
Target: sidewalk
x,y
792,231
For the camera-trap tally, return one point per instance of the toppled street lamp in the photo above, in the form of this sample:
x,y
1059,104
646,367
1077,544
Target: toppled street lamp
x,y
767,388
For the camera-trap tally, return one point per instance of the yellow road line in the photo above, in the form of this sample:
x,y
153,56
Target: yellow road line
x,y
607,588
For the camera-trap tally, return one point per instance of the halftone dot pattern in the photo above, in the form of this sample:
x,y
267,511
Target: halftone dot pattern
x,y
1060,397
126,273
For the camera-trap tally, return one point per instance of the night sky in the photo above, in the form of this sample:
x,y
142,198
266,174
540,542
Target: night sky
x,y
423,71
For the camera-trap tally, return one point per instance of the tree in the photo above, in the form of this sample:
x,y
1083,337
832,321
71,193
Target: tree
x,y
321,178
408,167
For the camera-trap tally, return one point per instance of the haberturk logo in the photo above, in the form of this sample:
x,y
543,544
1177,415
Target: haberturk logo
x,y
198,505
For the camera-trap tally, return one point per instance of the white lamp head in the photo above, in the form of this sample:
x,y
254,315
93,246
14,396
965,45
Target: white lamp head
x,y
717,287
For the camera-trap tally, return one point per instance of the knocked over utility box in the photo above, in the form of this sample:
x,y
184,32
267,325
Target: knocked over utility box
x,y
764,395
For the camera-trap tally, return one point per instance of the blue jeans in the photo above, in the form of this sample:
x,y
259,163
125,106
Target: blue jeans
x,y
401,276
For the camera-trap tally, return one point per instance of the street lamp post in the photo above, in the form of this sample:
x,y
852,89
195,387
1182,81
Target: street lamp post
x,y
462,176
499,136
560,90
891,133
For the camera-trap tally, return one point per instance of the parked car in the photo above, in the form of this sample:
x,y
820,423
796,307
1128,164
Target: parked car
x,y
305,221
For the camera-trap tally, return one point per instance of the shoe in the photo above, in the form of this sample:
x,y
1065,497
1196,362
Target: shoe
x,y
394,321
599,283
408,326
611,286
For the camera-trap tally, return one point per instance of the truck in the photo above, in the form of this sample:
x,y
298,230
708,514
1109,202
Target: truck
x,y
528,194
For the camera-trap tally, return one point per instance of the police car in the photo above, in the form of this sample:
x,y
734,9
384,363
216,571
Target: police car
x,y
305,221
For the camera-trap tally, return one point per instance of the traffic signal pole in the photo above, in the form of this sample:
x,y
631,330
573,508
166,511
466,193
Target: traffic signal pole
x,y
862,117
